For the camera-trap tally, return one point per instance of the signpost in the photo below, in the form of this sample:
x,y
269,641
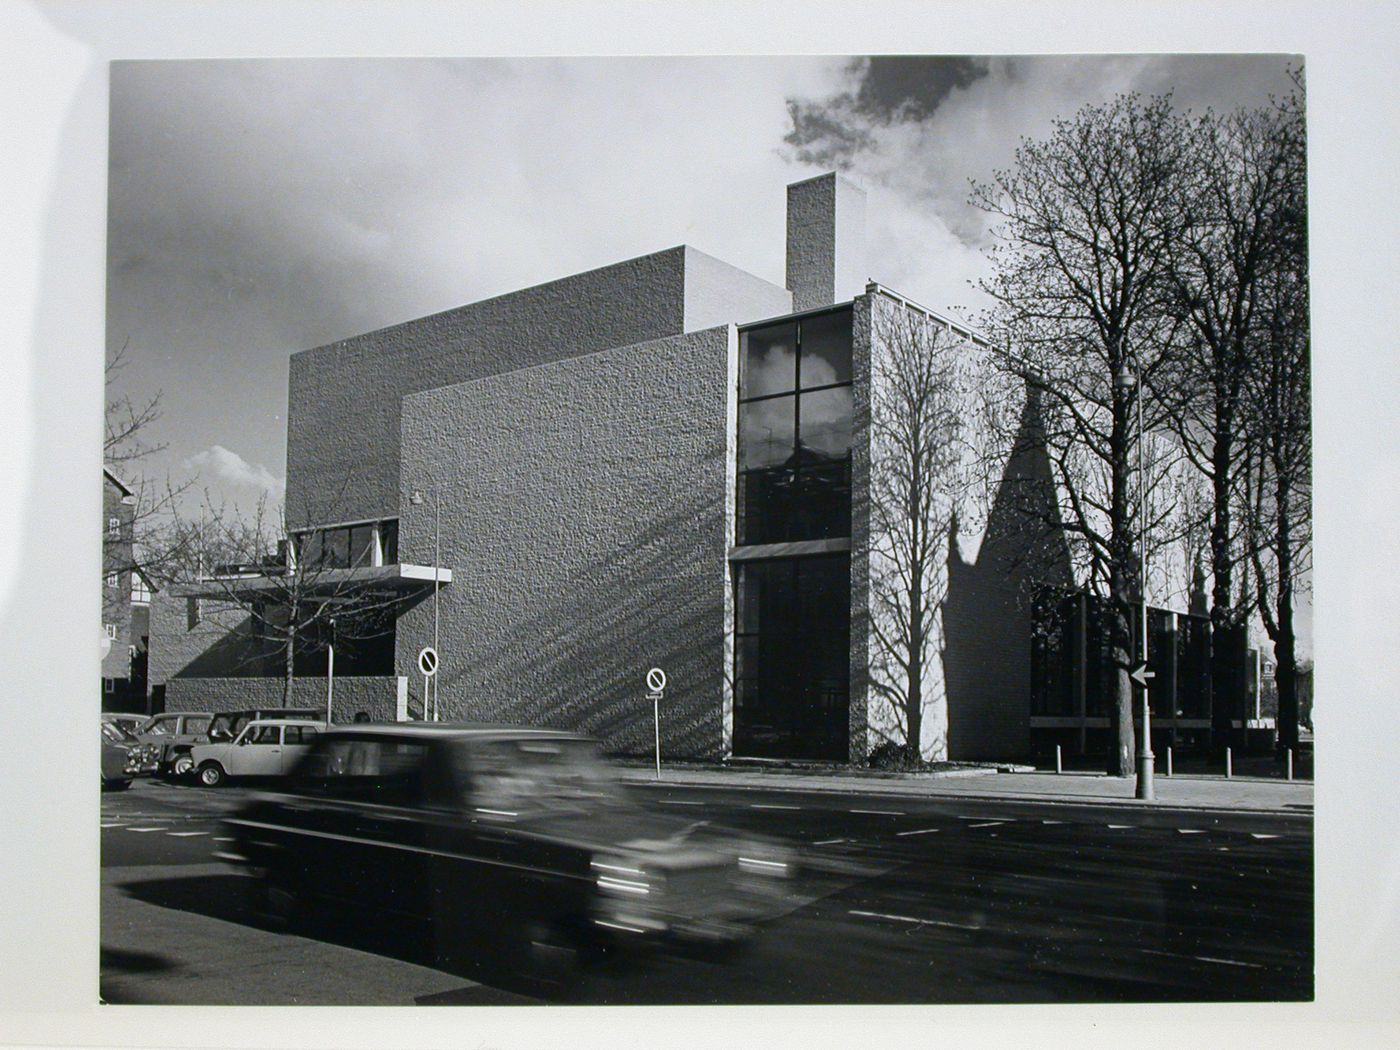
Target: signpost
x,y
656,689
428,664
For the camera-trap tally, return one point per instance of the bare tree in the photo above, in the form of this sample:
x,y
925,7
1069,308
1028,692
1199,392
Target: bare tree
x,y
1081,282
1278,474
1239,181
919,389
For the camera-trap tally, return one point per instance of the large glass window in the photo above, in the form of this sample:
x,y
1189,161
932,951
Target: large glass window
x,y
350,546
795,430
792,658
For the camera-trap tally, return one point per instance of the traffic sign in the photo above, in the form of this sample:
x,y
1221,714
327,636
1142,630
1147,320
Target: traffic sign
x,y
1140,674
428,661
656,680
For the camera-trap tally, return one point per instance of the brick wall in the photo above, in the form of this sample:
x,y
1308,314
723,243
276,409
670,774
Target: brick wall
x,y
344,399
116,600
377,697
584,519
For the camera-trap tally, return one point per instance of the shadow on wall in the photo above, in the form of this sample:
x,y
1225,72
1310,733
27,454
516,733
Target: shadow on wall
x,y
987,613
575,653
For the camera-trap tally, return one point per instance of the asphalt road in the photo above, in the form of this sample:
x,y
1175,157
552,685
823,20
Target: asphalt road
x,y
902,900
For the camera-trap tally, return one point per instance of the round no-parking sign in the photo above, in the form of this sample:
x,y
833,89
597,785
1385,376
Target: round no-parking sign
x,y
656,680
428,661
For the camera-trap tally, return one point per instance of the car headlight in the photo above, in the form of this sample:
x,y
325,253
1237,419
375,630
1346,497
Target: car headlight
x,y
629,896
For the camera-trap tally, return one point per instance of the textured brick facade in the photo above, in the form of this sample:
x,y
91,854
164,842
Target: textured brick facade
x,y
343,415
377,697
117,513
825,241
585,517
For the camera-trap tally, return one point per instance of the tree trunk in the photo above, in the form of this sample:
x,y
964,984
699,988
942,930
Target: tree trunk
x,y
1120,586
291,664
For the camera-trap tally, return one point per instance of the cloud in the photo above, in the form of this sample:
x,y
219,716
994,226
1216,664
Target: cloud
x,y
228,467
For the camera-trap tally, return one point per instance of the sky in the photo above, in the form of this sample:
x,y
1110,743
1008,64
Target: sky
x,y
261,207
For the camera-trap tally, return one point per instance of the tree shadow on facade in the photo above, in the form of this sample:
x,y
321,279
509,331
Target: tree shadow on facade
x,y
987,614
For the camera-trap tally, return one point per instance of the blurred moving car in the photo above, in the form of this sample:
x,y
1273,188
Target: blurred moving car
x,y
121,757
174,734
263,748
521,840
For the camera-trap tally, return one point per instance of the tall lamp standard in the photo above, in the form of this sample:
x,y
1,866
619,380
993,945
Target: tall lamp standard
x,y
417,500
1126,380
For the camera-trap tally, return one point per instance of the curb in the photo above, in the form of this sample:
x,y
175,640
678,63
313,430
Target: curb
x,y
909,791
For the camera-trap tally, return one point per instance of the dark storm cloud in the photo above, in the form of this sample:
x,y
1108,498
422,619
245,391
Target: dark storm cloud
x,y
888,89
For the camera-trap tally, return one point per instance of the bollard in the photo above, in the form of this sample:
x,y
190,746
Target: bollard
x,y
1290,763
1059,765
1169,760
1228,772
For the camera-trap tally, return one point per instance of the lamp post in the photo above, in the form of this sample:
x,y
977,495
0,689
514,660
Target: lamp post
x,y
1127,380
417,500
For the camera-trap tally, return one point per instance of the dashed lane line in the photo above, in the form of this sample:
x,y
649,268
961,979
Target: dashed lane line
x,y
879,812
1191,831
1052,821
761,805
1261,835
677,802
988,824
830,842
148,829
187,834
912,919
114,825
920,831
1121,827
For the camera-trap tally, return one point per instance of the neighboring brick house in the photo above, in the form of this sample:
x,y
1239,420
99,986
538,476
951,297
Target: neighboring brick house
x,y
663,462
118,510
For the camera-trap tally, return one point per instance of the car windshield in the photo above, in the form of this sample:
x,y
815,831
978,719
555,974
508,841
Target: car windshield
x,y
510,777
115,733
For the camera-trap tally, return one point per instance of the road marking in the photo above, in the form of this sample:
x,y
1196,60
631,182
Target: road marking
x,y
988,824
880,812
1202,958
1258,835
760,805
186,834
829,842
909,918
225,839
921,831
1052,821
114,825
146,829
1191,831
1121,827
677,802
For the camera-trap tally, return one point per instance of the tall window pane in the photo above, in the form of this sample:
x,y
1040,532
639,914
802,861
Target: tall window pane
x,y
768,360
826,349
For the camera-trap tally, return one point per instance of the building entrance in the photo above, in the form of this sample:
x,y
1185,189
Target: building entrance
x,y
792,658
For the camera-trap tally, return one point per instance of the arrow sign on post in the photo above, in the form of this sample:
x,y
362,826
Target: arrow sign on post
x,y
1140,674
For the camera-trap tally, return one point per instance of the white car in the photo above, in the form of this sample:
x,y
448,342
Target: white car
x,y
266,748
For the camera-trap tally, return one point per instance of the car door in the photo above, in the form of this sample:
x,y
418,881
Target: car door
x,y
296,740
257,752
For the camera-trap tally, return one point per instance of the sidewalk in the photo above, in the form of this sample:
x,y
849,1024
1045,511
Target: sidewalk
x,y
1195,792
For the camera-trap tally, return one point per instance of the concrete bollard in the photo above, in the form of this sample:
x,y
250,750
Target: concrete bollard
x,y
1169,761
1290,763
1059,764
1228,770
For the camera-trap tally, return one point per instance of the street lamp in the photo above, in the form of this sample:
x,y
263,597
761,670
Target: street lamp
x,y
1126,380
417,500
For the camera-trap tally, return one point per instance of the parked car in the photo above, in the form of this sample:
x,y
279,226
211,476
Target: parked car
x,y
228,724
173,734
128,722
120,757
263,748
146,756
521,839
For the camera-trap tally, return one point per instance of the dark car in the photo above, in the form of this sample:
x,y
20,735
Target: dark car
x,y
173,734
521,840
121,757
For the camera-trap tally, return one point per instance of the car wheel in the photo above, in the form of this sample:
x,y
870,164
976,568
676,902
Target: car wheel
x,y
211,774
182,765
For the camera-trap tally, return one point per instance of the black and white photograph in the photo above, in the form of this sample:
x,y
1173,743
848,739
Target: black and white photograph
x,y
730,528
